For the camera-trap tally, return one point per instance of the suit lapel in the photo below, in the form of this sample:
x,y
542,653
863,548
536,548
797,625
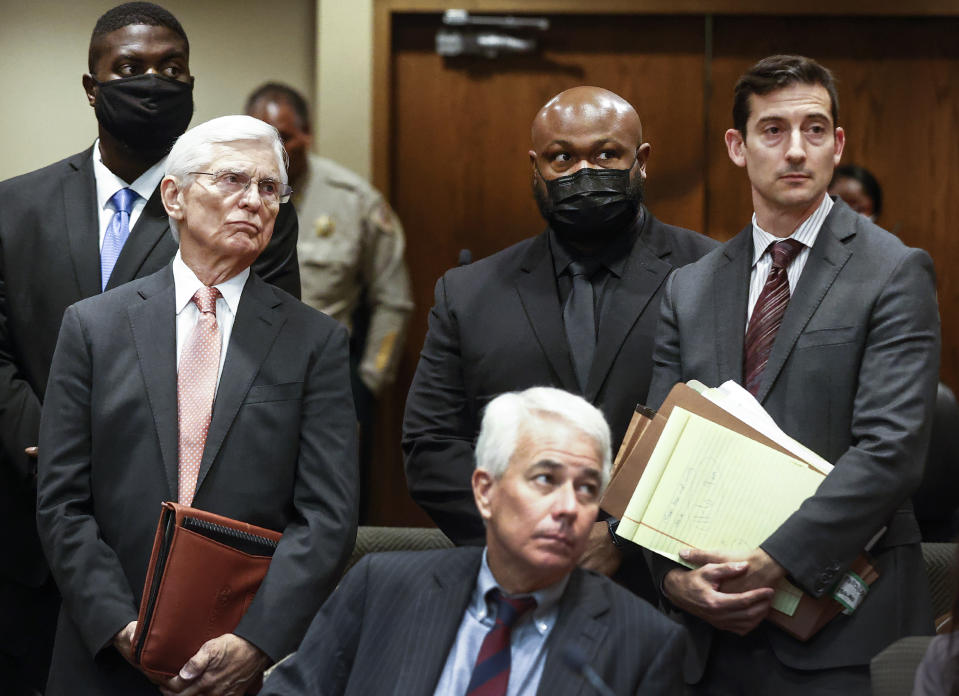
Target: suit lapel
x,y
257,323
730,295
578,627
536,285
153,322
644,272
826,258
152,227
82,222
437,613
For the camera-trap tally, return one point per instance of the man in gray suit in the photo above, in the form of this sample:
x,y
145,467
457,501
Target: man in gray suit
x,y
200,383
481,621
835,330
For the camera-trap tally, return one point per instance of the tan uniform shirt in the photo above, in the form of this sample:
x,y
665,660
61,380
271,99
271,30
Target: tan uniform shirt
x,y
351,241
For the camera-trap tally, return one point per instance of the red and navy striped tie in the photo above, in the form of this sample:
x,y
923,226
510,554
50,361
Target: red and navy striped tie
x,y
768,313
491,672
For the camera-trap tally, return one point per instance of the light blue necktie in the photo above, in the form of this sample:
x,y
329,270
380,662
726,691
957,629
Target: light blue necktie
x,y
117,232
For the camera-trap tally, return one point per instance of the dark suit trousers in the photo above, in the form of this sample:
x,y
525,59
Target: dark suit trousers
x,y
28,617
747,666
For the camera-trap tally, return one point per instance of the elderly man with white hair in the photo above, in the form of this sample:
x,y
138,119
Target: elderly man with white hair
x,y
517,617
204,385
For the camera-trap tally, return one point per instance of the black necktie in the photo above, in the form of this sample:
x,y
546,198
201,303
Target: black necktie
x,y
579,318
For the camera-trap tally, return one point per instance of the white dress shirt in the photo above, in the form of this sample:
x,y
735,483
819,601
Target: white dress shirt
x,y
109,183
806,234
185,285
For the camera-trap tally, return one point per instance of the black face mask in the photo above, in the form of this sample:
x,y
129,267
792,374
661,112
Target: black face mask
x,y
592,206
147,113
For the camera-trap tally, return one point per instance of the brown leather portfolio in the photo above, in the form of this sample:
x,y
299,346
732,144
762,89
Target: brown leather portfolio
x,y
203,573
641,437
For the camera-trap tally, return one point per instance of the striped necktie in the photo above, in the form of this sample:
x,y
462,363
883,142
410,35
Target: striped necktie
x,y
117,232
768,313
491,672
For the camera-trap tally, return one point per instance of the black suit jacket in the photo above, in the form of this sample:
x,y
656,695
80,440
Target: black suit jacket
x,y
388,629
280,453
497,326
852,375
49,259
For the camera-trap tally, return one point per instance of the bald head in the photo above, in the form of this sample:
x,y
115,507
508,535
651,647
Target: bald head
x,y
587,127
587,109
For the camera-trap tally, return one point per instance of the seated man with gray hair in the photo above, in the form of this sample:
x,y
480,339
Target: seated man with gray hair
x,y
200,384
513,618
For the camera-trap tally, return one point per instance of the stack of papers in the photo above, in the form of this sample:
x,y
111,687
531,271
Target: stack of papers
x,y
708,487
713,471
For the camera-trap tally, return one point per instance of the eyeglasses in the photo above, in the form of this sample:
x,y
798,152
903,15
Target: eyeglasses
x,y
229,183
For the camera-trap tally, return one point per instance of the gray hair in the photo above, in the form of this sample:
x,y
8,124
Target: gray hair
x,y
194,150
511,415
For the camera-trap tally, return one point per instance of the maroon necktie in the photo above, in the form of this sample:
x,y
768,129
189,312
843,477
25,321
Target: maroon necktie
x,y
195,388
768,313
491,672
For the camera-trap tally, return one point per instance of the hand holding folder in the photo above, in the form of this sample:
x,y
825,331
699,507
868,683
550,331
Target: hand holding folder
x,y
204,571
694,475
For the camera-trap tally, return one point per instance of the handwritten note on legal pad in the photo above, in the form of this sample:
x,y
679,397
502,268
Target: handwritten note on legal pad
x,y
710,488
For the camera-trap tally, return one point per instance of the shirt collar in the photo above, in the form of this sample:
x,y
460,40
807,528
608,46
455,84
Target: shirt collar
x,y
109,183
613,257
185,285
547,599
806,233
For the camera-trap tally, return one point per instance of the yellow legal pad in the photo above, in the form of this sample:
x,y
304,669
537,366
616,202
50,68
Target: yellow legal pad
x,y
710,488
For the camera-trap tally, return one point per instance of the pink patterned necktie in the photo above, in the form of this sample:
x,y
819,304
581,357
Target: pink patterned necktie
x,y
195,387
768,313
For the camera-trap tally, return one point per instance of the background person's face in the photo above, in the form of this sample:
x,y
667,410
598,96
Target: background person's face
x,y
296,141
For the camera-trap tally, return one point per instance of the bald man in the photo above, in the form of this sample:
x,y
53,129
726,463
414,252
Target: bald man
x,y
521,317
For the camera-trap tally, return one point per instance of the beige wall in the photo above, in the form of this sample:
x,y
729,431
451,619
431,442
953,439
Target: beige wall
x,y
235,45
343,113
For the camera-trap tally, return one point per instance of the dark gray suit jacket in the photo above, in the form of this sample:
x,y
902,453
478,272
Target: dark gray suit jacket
x,y
49,259
388,629
497,326
852,375
280,453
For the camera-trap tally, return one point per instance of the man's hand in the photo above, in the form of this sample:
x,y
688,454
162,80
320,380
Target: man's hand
x,y
601,554
761,571
123,641
32,452
700,592
223,666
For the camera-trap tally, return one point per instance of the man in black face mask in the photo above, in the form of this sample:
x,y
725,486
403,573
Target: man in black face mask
x,y
575,308
71,230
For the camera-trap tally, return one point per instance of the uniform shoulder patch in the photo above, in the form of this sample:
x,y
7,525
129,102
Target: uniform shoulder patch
x,y
382,217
